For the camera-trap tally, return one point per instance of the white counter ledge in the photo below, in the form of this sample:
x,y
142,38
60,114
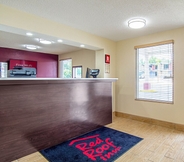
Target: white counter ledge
x,y
5,81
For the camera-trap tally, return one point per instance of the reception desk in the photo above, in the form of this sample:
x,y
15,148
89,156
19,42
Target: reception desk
x,y
39,113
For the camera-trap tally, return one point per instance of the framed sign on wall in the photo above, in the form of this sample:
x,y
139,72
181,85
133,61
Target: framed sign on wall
x,y
107,59
22,63
22,68
107,63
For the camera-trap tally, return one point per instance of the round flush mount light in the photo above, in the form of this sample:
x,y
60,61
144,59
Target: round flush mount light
x,y
29,34
59,40
31,47
82,45
136,23
43,41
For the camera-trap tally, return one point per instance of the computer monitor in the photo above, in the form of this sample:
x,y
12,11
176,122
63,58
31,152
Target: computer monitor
x,y
92,72
88,73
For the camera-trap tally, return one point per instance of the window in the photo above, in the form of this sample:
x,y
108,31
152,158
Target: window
x,y
77,71
155,72
66,68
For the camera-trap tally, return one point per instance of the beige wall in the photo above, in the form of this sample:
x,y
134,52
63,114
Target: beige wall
x,y
122,62
22,20
126,71
98,63
84,58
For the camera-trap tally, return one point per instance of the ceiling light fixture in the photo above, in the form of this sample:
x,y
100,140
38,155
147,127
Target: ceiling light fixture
x,y
59,40
136,23
82,45
31,47
29,34
43,41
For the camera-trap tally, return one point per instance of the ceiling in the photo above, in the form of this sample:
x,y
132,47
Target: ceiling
x,y
17,39
107,18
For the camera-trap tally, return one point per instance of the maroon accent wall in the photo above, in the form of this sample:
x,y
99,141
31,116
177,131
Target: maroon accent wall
x,y
47,64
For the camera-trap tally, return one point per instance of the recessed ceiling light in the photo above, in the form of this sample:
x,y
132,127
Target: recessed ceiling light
x,y
136,23
29,34
45,41
59,40
31,47
82,45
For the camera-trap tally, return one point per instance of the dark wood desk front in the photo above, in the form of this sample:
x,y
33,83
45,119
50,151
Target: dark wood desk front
x,y
39,113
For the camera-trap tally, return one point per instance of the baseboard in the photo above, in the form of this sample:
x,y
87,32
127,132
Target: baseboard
x,y
179,127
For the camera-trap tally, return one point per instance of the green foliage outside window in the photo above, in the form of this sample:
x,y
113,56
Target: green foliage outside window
x,y
67,66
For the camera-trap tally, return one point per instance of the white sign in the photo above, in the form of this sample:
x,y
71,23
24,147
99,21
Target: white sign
x,y
3,69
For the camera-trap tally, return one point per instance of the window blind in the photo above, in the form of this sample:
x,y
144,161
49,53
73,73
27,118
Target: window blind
x,y
155,72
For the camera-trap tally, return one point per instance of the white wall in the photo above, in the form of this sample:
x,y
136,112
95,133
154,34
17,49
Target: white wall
x,y
126,85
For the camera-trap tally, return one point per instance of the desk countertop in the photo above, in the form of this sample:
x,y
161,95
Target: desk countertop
x,y
5,81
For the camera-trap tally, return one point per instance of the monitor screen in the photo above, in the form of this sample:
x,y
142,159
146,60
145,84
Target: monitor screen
x,y
94,72
88,73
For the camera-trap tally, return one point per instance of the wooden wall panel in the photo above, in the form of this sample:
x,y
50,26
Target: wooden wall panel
x,y
37,116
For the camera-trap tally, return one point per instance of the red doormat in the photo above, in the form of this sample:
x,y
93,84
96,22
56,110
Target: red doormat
x,y
101,145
